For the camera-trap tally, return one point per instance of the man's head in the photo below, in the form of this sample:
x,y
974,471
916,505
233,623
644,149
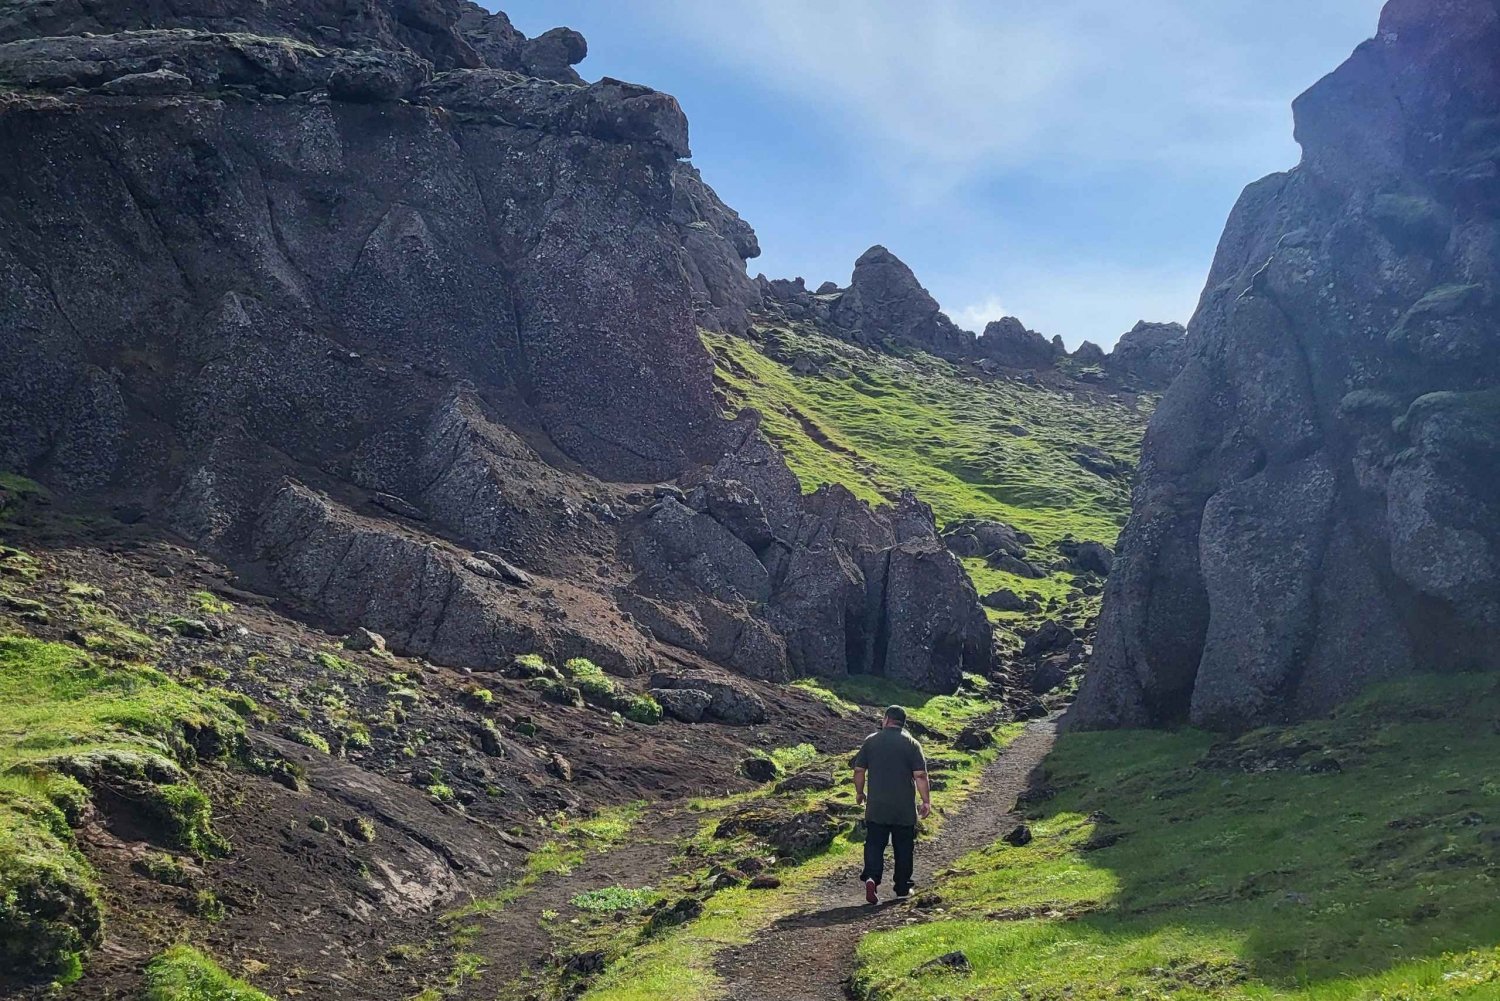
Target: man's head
x,y
895,716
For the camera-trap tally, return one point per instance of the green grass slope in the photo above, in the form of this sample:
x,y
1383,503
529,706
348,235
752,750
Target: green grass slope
x,y
879,424
67,716
971,447
1352,858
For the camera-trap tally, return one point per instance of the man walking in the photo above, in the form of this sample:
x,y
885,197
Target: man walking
x,y
892,762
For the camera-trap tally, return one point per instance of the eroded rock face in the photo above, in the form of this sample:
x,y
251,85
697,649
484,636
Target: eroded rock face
x,y
403,257
278,243
1319,500
778,585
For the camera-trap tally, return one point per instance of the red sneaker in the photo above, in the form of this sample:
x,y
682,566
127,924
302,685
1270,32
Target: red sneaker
x,y
870,897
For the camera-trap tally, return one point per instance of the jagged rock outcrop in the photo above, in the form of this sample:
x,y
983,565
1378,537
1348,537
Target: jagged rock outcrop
x,y
885,307
1007,342
1319,500
885,303
1150,353
384,305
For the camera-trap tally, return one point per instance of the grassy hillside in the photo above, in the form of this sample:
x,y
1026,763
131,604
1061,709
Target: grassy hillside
x,y
971,447
1353,858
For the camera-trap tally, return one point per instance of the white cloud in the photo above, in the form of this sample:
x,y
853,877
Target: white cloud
x,y
975,315
1086,302
943,89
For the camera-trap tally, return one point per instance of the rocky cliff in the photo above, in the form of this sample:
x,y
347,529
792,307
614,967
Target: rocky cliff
x,y
359,296
1319,499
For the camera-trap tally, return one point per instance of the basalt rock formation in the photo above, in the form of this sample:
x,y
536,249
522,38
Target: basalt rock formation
x,y
352,294
1319,501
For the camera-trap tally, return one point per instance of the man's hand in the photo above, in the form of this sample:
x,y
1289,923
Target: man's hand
x,y
924,810
859,798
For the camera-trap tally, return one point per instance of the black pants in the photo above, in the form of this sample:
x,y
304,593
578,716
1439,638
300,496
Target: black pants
x,y
903,839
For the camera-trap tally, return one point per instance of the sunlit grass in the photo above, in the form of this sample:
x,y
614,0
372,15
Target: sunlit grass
x,y
1353,858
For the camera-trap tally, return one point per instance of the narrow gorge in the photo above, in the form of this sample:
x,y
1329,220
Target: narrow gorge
x,y
432,565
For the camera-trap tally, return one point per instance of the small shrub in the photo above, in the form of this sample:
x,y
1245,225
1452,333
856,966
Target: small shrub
x,y
442,792
582,667
208,603
642,709
313,740
360,829
317,824
481,697
600,690
610,899
334,664
356,736
531,665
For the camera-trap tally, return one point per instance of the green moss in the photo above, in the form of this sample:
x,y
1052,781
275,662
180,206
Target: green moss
x,y
334,664
314,740
104,631
182,973
16,491
361,829
208,603
1340,859
67,716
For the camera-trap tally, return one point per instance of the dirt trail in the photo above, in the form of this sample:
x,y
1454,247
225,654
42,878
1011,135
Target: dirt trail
x,y
517,943
809,955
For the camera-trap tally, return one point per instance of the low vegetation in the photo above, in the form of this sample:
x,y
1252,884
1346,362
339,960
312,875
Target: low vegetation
x,y
573,840
1352,858
71,722
677,963
182,973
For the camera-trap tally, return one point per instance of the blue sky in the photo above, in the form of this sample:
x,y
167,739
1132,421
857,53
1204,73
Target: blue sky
x,y
1070,162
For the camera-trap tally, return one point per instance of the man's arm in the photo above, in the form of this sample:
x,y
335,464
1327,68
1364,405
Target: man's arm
x,y
924,789
859,787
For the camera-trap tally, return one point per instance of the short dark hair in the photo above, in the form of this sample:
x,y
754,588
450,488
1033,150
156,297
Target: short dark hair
x,y
896,713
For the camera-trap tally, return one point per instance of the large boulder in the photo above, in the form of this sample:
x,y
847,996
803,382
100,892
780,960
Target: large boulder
x,y
1319,499
978,537
934,627
729,702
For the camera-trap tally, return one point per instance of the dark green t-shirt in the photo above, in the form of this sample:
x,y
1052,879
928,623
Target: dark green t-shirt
x,y
889,757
